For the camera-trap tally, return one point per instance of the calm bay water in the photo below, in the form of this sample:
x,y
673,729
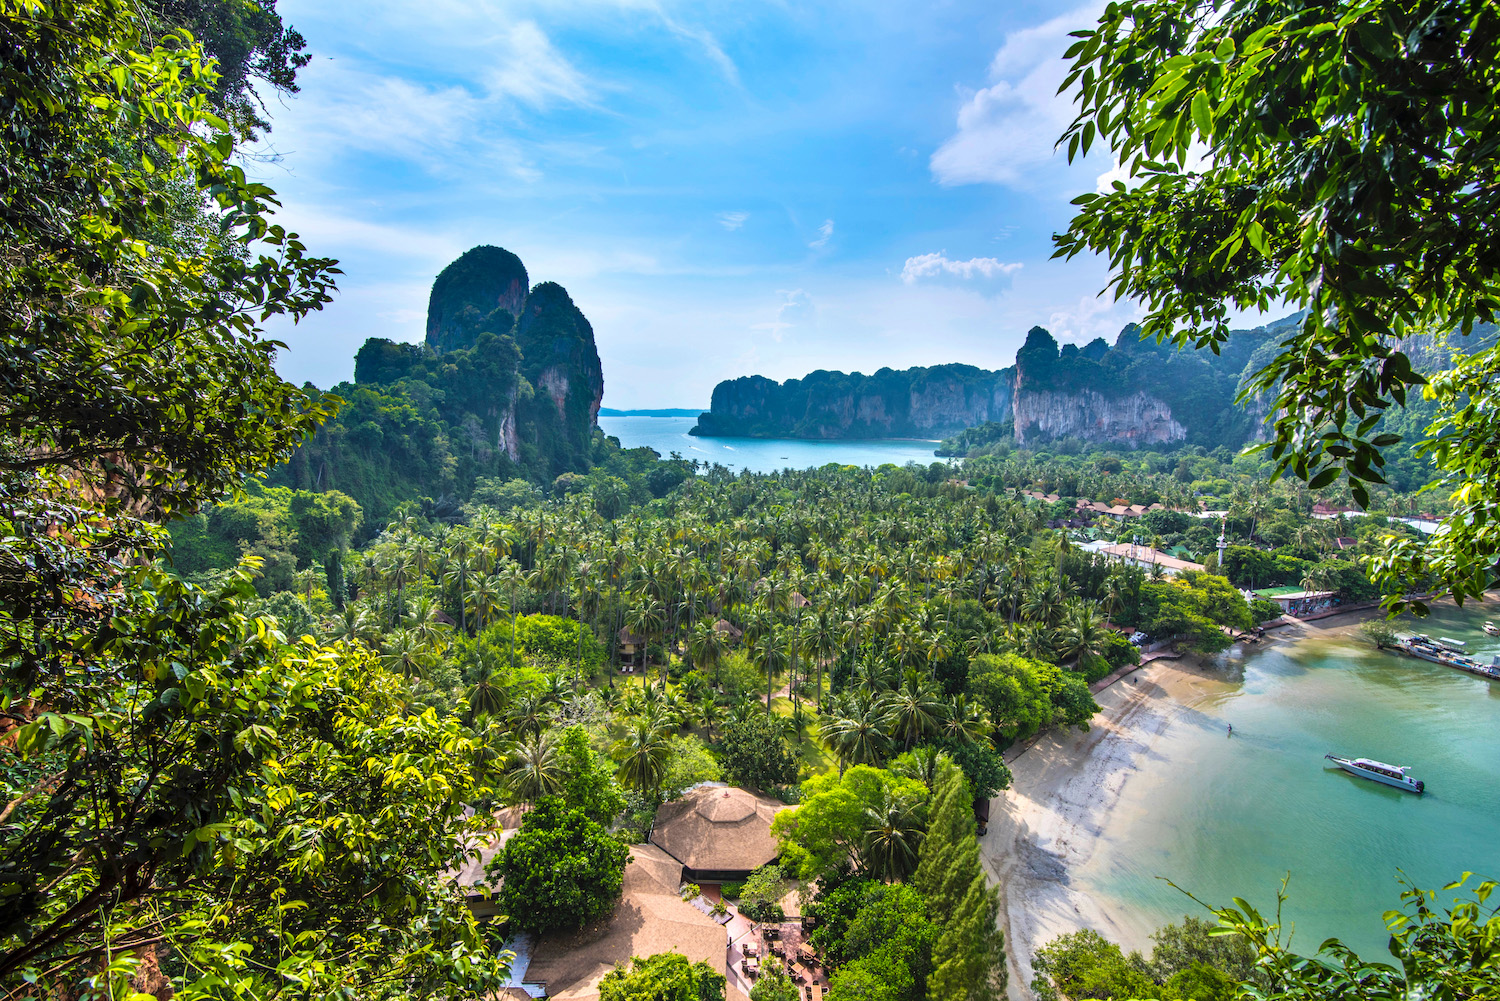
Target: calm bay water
x,y
761,455
1229,816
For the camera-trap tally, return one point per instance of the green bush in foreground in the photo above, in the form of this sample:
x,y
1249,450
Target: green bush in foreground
x,y
667,976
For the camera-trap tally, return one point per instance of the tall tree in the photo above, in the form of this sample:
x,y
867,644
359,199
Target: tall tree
x,y
1341,161
968,957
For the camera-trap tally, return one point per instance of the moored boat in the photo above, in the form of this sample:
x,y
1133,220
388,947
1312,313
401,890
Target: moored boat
x,y
1449,653
1379,771
1492,629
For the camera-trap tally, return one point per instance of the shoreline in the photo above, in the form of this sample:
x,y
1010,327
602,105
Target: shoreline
x,y
1066,788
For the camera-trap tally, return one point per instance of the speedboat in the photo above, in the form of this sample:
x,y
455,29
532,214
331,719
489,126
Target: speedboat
x,y
1492,629
1379,771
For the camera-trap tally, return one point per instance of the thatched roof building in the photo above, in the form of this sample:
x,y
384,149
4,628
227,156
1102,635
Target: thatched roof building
x,y
717,833
651,917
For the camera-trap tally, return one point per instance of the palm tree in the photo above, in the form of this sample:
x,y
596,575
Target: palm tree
x,y
709,713
916,710
643,754
964,722
485,599
529,713
353,625
511,577
405,654
892,834
535,768
486,697
1082,636
857,730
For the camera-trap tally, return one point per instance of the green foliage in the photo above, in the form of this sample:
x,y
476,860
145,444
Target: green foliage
x,y
886,953
185,700
667,976
249,45
546,639
1377,130
1084,964
120,339
762,893
968,954
688,764
828,831
288,528
754,753
1196,943
1024,696
1192,607
1379,632
773,984
588,782
560,870
1449,952
982,765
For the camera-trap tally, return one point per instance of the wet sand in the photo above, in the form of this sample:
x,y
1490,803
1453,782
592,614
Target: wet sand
x,y
1062,792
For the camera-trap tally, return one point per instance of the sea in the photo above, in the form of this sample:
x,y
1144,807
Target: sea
x,y
1223,815
762,455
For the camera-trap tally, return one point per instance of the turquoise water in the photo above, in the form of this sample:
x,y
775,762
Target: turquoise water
x,y
1229,816
762,455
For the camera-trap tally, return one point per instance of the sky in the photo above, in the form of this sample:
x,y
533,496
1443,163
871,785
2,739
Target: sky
x,y
724,188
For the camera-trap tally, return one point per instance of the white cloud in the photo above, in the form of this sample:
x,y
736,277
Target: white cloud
x,y
1007,132
733,220
825,233
1092,316
939,265
348,107
532,71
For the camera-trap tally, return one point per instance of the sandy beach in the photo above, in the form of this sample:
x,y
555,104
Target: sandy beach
x,y
1066,786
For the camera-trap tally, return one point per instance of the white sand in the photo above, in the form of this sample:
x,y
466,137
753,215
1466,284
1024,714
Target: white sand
x,y
1050,820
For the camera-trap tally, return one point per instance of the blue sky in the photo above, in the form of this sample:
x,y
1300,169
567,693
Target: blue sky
x,y
724,188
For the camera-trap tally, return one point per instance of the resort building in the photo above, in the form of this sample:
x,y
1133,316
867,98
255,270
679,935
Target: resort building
x,y
1145,557
651,917
717,833
1297,602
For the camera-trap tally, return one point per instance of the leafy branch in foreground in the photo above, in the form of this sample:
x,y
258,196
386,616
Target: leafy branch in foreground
x,y
1343,161
1451,954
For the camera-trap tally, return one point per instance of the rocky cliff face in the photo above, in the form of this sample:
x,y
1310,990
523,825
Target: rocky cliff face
x,y
1129,394
1134,420
483,290
915,403
561,362
517,372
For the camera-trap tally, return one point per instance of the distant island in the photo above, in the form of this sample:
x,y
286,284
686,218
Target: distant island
x,y
667,412
1130,394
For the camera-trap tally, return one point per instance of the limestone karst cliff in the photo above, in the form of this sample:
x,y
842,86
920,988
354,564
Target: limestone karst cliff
x,y
915,403
1130,394
507,382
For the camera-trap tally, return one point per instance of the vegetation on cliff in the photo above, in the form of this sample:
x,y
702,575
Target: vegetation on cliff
x,y
502,394
913,403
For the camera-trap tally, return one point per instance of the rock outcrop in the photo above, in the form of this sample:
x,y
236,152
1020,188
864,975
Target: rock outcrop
x,y
507,382
915,403
1137,419
483,290
1129,394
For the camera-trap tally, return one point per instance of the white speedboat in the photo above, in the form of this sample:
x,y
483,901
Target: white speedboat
x,y
1492,629
1378,771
